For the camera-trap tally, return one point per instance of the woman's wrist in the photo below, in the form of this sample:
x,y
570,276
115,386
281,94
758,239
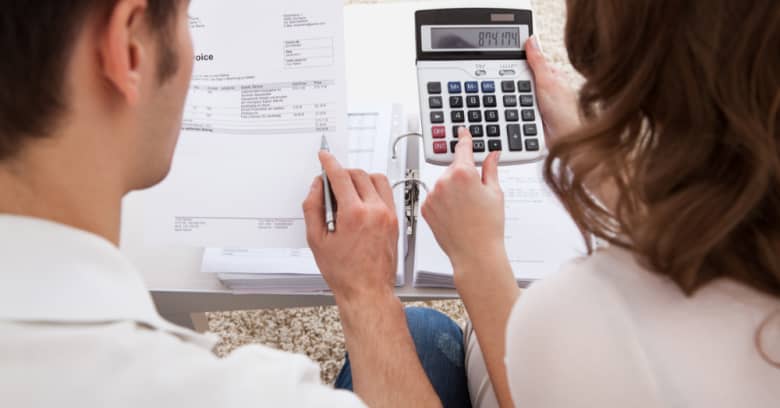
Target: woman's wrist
x,y
480,266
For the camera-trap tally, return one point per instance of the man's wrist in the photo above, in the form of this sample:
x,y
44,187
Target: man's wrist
x,y
364,310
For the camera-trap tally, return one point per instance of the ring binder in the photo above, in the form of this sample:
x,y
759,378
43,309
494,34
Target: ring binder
x,y
398,139
412,183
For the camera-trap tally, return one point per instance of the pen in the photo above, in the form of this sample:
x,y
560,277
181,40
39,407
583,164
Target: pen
x,y
329,217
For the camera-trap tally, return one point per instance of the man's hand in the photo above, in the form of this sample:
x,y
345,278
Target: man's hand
x,y
557,101
358,260
466,211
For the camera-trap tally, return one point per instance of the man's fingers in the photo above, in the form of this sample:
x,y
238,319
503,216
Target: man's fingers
x,y
340,180
382,186
363,185
314,210
464,151
490,169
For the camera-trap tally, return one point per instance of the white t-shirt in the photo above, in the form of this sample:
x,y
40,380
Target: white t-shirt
x,y
78,329
605,332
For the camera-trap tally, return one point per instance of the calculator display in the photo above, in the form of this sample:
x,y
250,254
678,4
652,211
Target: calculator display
x,y
478,38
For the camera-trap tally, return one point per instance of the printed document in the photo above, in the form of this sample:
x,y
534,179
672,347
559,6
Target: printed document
x,y
268,82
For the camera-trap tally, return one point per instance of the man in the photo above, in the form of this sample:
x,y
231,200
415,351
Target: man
x,y
91,99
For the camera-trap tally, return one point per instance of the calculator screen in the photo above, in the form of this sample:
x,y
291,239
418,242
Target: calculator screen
x,y
476,38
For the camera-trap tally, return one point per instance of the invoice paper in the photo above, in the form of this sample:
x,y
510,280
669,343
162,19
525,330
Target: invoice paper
x,y
268,82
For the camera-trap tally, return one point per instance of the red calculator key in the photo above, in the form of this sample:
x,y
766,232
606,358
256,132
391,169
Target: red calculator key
x,y
440,147
438,132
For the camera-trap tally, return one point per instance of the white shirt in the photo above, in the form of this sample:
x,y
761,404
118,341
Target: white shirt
x,y
606,332
78,329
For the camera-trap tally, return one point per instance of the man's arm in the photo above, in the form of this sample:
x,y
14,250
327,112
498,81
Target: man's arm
x,y
358,261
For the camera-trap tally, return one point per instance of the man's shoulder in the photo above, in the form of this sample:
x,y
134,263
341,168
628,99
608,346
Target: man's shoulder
x,y
125,363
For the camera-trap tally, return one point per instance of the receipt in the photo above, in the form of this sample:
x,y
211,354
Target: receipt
x,y
268,82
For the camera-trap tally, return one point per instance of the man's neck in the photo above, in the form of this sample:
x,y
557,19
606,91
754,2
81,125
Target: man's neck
x,y
51,184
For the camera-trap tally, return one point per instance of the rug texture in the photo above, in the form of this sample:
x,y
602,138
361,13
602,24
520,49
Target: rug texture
x,y
316,331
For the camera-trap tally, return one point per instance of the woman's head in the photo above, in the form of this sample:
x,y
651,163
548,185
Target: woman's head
x,y
682,108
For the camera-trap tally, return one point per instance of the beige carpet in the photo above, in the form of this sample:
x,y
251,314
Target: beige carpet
x,y
316,331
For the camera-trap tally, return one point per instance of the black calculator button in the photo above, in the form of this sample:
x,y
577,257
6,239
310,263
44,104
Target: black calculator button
x,y
455,131
493,130
437,117
456,101
453,87
511,115
529,129
476,130
526,100
491,116
475,116
471,86
458,117
435,102
494,145
479,146
510,101
434,88
453,145
472,101
508,86
523,86
528,115
514,137
488,86
489,101
532,145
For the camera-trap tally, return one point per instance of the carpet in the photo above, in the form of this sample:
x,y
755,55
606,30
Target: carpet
x,y
316,331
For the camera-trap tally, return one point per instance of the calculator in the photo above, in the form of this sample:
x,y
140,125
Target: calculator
x,y
472,72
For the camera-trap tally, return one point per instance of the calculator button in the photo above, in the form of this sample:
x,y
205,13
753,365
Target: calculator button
x,y
494,145
472,87
472,101
532,145
526,100
480,72
511,115
493,130
458,117
529,130
434,87
476,131
475,116
508,86
437,117
456,101
438,132
453,145
489,101
491,116
455,131
514,137
488,86
508,72
440,147
453,87
523,86
528,115
479,146
510,101
435,102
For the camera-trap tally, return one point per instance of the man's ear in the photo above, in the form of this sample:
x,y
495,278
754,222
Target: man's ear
x,y
121,49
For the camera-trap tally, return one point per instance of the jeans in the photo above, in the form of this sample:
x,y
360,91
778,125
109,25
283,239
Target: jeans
x,y
439,344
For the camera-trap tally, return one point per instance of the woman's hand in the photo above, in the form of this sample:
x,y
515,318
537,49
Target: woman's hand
x,y
358,260
558,103
466,210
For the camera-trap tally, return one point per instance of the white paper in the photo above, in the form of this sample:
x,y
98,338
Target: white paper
x,y
268,82
539,234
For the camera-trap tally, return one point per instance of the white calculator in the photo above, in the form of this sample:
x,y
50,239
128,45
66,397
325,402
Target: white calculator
x,y
472,72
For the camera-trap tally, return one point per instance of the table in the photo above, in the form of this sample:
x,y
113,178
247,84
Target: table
x,y
380,43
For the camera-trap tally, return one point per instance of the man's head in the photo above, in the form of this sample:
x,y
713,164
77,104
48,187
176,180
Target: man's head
x,y
105,79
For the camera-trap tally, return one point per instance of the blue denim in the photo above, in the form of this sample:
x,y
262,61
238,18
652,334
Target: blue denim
x,y
439,344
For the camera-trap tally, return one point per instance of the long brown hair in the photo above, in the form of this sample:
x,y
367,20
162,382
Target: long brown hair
x,y
681,109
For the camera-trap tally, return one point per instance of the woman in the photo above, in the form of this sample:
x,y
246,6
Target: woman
x,y
671,155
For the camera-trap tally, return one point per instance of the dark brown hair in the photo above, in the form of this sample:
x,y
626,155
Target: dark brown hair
x,y
36,39
681,109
